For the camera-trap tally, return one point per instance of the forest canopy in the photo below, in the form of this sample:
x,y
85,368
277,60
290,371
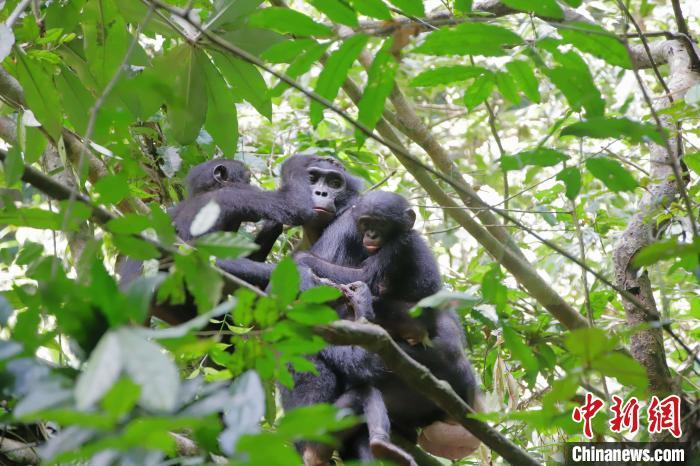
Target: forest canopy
x,y
548,149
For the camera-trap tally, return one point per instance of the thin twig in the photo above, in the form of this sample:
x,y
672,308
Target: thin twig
x,y
14,16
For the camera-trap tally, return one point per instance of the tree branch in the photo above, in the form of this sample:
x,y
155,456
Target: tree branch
x,y
374,338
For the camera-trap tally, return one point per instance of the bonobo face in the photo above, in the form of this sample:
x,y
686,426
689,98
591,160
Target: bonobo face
x,y
375,233
326,184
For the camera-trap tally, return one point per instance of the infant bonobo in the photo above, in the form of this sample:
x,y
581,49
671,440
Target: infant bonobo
x,y
400,266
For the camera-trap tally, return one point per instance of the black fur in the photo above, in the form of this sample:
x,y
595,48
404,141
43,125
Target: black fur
x,y
296,186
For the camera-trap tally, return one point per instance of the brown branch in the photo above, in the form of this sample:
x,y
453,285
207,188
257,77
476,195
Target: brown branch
x,y
375,339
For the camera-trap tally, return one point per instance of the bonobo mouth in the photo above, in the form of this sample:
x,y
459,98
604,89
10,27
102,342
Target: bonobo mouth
x,y
323,212
371,248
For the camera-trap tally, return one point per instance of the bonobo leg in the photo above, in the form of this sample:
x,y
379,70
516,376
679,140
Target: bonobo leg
x,y
379,430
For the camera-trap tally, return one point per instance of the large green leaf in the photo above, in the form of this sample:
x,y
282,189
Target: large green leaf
x,y
230,12
288,21
593,39
611,173
622,367
301,65
187,99
225,245
151,369
575,81
603,128
31,217
446,75
77,101
222,118
525,78
571,176
40,94
337,11
284,282
287,51
545,8
693,161
334,73
479,91
520,350
380,82
103,369
253,40
410,7
664,250
246,81
373,8
506,86
541,157
469,39
106,40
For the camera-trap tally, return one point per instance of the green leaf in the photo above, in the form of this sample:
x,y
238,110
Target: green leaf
x,y
31,217
244,411
571,176
574,80
14,166
222,118
253,40
40,94
593,39
77,101
525,78
622,367
301,65
334,73
284,282
479,91
589,344
469,39
693,161
312,314
106,40
337,11
373,8
447,75
506,87
135,247
545,8
665,250
574,3
31,140
603,128
230,12
541,157
128,224
611,173
520,350
112,188
151,369
287,51
187,100
246,81
410,7
202,280
225,245
320,294
380,82
103,369
288,21
463,6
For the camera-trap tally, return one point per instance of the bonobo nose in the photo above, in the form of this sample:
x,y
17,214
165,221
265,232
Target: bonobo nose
x,y
321,193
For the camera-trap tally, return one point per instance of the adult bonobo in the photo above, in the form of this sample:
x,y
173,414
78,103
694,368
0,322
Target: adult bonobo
x,y
320,182
375,243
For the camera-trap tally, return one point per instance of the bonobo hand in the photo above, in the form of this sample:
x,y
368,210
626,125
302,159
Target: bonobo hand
x,y
359,299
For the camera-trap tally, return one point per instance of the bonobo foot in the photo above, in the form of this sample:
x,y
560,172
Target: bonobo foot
x,y
448,439
359,299
383,449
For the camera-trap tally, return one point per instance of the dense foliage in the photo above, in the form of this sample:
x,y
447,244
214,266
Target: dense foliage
x,y
534,106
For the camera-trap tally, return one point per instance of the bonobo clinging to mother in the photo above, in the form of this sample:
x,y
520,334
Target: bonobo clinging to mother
x,y
374,243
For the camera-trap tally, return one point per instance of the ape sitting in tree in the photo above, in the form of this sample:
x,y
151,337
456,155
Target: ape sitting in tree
x,y
331,190
342,255
399,266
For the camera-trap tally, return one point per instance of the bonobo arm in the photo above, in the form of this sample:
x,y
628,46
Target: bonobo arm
x,y
357,365
255,273
335,273
265,239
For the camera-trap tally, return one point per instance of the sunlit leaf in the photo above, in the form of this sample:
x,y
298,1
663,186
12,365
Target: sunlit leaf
x,y
337,11
545,8
222,118
380,82
611,173
469,39
479,91
246,82
334,73
447,75
541,157
103,369
525,78
571,176
373,8
593,39
665,250
288,21
40,94
284,282
602,128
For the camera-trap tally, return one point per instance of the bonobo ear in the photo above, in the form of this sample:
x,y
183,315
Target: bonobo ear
x,y
410,218
220,174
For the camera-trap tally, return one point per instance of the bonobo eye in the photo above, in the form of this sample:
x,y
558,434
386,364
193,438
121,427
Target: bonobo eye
x,y
335,182
313,177
220,174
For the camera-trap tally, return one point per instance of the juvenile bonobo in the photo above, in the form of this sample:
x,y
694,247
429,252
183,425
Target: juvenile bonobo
x,y
399,265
